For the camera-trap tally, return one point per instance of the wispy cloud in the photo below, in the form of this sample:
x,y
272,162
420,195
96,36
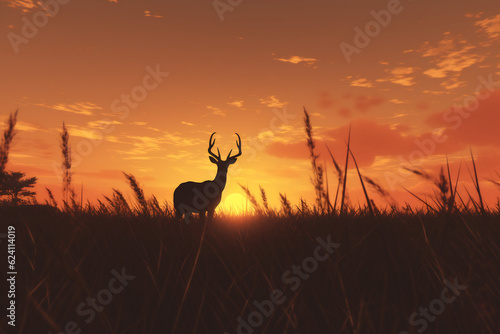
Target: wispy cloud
x,y
273,102
237,104
81,108
399,76
216,111
317,114
404,81
153,14
474,15
397,116
20,155
451,56
454,62
142,147
146,147
144,124
491,26
143,157
83,132
397,101
453,83
402,76
24,5
281,134
187,123
361,82
25,126
113,139
102,124
298,60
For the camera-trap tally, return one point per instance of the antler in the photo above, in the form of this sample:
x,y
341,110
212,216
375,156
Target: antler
x,y
210,146
238,144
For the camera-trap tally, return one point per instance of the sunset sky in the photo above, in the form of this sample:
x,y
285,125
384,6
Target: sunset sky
x,y
250,68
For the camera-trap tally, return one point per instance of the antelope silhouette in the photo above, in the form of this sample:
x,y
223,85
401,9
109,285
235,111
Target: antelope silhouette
x,y
194,197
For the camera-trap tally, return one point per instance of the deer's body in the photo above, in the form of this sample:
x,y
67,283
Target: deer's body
x,y
184,201
204,197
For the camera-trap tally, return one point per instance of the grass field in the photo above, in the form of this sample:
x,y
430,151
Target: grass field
x,y
199,278
130,267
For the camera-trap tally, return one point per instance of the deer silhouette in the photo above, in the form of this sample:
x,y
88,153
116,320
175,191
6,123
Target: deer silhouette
x,y
194,197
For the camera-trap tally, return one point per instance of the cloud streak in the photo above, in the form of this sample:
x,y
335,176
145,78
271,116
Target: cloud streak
x,y
297,60
24,5
273,102
79,108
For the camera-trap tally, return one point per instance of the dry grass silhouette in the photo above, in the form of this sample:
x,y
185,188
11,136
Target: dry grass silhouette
x,y
7,138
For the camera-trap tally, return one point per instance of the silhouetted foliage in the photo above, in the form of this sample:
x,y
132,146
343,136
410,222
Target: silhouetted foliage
x,y
8,135
13,185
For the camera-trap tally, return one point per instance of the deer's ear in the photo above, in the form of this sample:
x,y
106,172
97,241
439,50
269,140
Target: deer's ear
x,y
231,161
213,160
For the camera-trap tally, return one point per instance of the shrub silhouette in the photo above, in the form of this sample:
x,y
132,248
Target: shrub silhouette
x,y
13,185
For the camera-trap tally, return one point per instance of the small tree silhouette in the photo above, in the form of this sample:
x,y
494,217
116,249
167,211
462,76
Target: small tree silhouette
x,y
12,184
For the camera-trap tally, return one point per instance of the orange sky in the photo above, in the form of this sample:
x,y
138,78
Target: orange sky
x,y
251,73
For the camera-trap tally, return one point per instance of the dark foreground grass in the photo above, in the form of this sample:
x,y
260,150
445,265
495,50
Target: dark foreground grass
x,y
200,278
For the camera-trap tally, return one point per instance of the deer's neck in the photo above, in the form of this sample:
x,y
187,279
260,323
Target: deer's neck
x,y
220,179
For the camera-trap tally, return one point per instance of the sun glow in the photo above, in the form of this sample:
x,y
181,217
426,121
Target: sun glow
x,y
234,204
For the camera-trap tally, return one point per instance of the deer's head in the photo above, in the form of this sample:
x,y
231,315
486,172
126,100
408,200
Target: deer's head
x,y
222,165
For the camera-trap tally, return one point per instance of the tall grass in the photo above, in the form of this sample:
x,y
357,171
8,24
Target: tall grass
x,y
340,178
52,201
476,184
285,205
346,168
202,278
317,178
265,203
66,163
138,192
7,138
252,199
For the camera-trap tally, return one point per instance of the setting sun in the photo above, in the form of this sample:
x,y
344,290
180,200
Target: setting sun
x,y
235,204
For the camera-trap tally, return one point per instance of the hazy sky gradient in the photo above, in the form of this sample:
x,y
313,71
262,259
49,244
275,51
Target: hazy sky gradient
x,y
242,74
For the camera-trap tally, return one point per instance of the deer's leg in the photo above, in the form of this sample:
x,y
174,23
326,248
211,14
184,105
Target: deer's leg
x,y
211,215
178,214
187,217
